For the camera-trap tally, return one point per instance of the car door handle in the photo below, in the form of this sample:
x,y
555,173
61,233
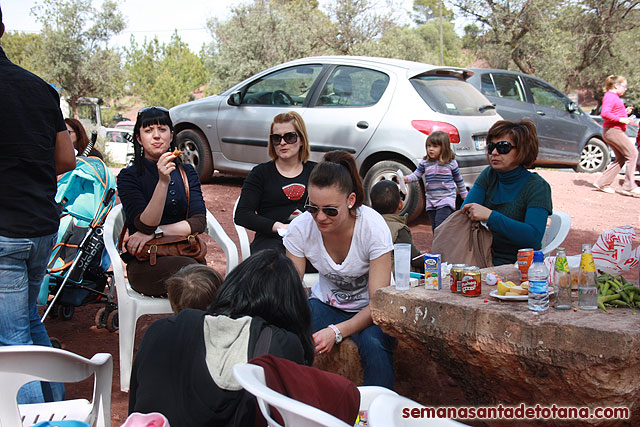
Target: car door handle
x,y
541,113
362,125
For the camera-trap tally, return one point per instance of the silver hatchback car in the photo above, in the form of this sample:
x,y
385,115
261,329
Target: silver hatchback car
x,y
378,109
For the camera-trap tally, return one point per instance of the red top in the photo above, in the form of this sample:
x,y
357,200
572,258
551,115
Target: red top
x,y
612,111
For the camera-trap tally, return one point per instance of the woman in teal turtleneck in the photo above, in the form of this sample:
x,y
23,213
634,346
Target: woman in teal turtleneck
x,y
514,202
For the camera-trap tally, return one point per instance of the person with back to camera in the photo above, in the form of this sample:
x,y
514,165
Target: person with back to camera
x,y
386,200
184,366
193,286
154,199
615,123
273,194
79,137
441,177
514,202
35,148
350,246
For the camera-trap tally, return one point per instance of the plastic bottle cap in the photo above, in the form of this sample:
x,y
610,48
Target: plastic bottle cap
x,y
538,256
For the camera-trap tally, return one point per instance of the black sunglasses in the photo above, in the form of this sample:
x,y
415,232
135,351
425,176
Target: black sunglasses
x,y
145,109
289,138
503,147
313,209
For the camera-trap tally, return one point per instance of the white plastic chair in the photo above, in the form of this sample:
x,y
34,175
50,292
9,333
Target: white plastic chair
x,y
21,364
386,411
131,304
309,279
556,232
251,378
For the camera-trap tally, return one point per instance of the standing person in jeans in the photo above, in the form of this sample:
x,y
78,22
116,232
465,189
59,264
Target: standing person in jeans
x,y
350,246
35,148
616,118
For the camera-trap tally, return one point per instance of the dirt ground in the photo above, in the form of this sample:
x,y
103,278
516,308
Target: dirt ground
x,y
591,212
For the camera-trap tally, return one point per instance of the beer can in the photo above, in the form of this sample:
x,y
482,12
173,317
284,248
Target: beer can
x,y
525,258
471,282
456,276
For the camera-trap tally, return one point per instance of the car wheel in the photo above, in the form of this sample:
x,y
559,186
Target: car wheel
x,y
595,157
196,152
413,200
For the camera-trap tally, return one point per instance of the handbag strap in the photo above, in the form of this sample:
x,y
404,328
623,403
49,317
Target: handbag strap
x,y
263,343
185,181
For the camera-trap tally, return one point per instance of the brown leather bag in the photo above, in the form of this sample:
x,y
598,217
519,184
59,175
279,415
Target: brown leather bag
x,y
190,246
462,241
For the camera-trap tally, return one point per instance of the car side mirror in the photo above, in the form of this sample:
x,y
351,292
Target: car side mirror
x,y
235,99
572,107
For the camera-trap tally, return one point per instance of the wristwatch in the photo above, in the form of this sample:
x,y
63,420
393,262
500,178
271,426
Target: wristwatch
x,y
338,333
158,233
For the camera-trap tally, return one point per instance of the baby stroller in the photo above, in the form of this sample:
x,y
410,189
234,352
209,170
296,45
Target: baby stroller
x,y
77,270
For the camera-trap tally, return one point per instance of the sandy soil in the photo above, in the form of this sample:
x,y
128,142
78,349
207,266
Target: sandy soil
x,y
591,212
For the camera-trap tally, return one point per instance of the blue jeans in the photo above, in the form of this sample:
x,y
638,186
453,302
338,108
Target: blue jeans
x,y
23,262
437,216
375,347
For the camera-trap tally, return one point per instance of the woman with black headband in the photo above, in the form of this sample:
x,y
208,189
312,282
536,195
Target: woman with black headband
x,y
154,198
514,202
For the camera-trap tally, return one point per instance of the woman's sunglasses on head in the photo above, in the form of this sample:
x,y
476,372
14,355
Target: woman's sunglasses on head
x,y
288,138
502,147
145,109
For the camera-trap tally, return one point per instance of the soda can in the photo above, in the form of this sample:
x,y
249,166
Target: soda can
x,y
456,276
471,282
525,258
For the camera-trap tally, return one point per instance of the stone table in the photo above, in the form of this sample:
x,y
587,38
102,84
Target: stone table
x,y
500,352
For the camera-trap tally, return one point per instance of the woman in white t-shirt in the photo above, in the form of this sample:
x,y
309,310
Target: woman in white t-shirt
x,y
350,246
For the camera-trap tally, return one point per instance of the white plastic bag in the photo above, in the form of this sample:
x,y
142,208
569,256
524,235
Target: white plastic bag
x,y
613,254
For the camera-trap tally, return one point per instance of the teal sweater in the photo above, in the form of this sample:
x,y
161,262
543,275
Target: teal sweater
x,y
521,203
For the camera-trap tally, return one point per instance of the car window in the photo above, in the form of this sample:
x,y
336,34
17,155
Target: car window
x,y
508,86
353,87
284,87
452,96
544,94
486,85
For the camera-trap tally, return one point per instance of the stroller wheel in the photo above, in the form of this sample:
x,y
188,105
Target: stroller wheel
x,y
101,318
112,321
55,342
66,311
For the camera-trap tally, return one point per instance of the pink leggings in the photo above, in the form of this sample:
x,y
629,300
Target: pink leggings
x,y
626,154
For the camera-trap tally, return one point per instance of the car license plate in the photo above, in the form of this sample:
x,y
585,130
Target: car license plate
x,y
481,142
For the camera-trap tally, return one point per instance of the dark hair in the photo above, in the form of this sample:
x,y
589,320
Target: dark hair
x,y
149,117
442,139
267,285
523,134
301,129
82,140
339,168
193,286
385,197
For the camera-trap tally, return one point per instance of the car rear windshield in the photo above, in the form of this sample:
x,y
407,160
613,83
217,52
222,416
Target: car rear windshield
x,y
452,96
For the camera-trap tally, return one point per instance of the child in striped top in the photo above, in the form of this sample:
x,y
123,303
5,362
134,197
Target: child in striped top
x,y
441,177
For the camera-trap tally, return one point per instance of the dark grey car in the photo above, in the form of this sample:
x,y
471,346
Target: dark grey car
x,y
568,136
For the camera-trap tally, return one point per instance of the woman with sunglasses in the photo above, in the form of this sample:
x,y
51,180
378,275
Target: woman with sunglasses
x,y
615,123
154,200
79,138
274,192
350,246
514,202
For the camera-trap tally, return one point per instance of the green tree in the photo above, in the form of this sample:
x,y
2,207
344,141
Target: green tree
x,y
426,10
164,74
74,52
22,49
398,42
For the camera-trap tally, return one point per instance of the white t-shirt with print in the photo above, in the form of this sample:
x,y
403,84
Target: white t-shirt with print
x,y
344,286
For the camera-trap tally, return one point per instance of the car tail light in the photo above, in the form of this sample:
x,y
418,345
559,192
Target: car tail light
x,y
429,126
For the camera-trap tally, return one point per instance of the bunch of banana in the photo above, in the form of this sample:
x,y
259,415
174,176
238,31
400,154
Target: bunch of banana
x,y
616,292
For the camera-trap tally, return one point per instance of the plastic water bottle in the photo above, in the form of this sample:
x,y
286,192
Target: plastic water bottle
x,y
538,281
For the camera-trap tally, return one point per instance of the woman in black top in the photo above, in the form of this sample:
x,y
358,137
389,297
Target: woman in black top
x,y
155,202
274,193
